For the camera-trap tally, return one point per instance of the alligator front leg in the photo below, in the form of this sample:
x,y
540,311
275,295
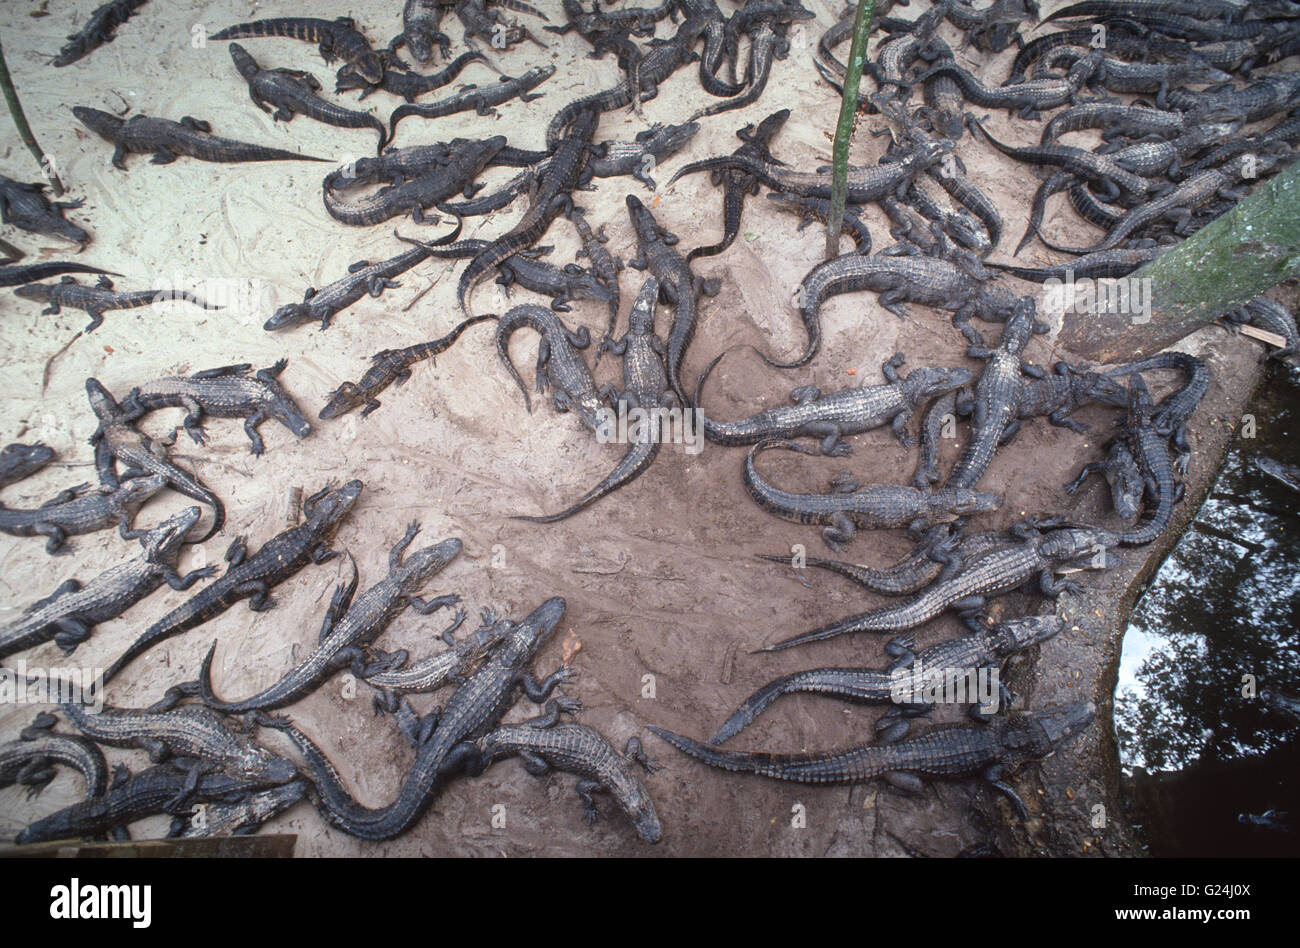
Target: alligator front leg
x,y
538,693
250,428
182,583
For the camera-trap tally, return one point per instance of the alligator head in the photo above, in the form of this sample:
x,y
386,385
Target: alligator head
x,y
101,123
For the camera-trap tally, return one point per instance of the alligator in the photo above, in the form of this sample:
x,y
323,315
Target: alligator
x,y
452,173
942,551
911,674
865,185
639,156
336,39
562,284
768,42
240,816
98,299
1286,132
559,363
1123,37
444,742
162,789
251,577
995,405
810,209
489,27
1104,169
30,760
999,570
392,677
678,286
362,277
408,85
1146,436
915,279
26,207
603,265
20,461
479,99
1264,313
1025,99
168,140
116,441
1173,411
70,614
421,22
1253,103
1153,78
544,744
30,272
225,392
81,510
349,628
551,195
989,751
100,28
659,62
645,392
293,92
389,366
1117,120
756,143
194,738
847,411
850,507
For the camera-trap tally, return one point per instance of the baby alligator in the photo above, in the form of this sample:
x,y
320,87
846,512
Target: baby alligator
x,y
337,39
70,615
29,760
168,140
559,363
387,367
19,461
996,571
31,272
293,91
848,411
251,577
544,744
850,507
81,510
349,628
225,392
911,674
98,299
645,391
26,207
100,28
480,99
989,751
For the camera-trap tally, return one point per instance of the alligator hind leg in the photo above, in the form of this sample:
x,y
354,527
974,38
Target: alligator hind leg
x,y
54,545
635,752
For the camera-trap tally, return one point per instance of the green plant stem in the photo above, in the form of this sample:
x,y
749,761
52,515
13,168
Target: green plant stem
x,y
844,129
25,130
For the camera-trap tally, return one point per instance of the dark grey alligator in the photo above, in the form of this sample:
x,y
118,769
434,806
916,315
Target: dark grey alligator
x,y
27,208
544,744
225,392
851,507
167,140
945,751
251,577
70,614
911,674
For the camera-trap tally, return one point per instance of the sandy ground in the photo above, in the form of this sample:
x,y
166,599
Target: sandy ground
x,y
665,596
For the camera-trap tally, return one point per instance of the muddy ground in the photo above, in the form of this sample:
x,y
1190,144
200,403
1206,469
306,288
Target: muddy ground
x,y
665,597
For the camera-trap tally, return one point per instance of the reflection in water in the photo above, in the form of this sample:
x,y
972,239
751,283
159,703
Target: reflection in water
x,y
1209,768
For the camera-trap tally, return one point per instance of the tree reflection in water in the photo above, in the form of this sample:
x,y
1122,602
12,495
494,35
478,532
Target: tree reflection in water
x,y
1197,746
